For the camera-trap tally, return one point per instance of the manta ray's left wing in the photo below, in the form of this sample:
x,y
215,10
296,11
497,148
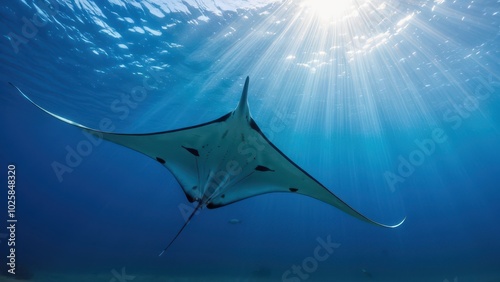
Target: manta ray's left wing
x,y
177,150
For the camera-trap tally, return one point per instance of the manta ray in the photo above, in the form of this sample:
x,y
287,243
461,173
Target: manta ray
x,y
224,161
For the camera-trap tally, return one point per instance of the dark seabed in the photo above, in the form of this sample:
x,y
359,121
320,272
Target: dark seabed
x,y
392,105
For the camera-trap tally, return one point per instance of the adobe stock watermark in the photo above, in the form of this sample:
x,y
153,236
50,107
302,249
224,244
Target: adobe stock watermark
x,y
454,280
309,265
234,168
121,277
31,26
76,154
454,117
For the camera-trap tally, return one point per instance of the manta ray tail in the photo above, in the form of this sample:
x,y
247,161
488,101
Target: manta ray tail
x,y
182,228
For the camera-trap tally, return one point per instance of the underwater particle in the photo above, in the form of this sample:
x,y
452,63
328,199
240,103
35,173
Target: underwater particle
x,y
366,273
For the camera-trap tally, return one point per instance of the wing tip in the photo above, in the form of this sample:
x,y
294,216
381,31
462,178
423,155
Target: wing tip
x,y
68,121
393,226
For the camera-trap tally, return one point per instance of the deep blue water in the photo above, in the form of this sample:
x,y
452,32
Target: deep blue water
x,y
393,105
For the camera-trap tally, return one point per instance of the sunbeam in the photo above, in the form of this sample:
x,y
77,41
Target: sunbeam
x,y
330,10
352,63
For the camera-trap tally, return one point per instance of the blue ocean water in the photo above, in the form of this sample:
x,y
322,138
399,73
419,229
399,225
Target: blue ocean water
x,y
392,105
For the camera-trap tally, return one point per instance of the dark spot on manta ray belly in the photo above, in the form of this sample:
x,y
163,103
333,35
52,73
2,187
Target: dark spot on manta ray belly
x,y
263,168
293,189
160,160
192,151
223,195
190,199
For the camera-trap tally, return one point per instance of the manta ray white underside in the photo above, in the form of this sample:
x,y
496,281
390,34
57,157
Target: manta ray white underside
x,y
224,161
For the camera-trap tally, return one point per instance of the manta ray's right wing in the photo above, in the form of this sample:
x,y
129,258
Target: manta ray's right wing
x,y
275,172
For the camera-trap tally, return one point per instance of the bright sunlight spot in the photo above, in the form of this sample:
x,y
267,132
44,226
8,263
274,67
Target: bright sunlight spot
x,y
330,9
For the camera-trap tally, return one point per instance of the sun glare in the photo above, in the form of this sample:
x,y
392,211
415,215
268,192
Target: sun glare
x,y
330,9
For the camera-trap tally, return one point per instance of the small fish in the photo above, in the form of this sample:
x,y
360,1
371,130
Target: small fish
x,y
234,221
